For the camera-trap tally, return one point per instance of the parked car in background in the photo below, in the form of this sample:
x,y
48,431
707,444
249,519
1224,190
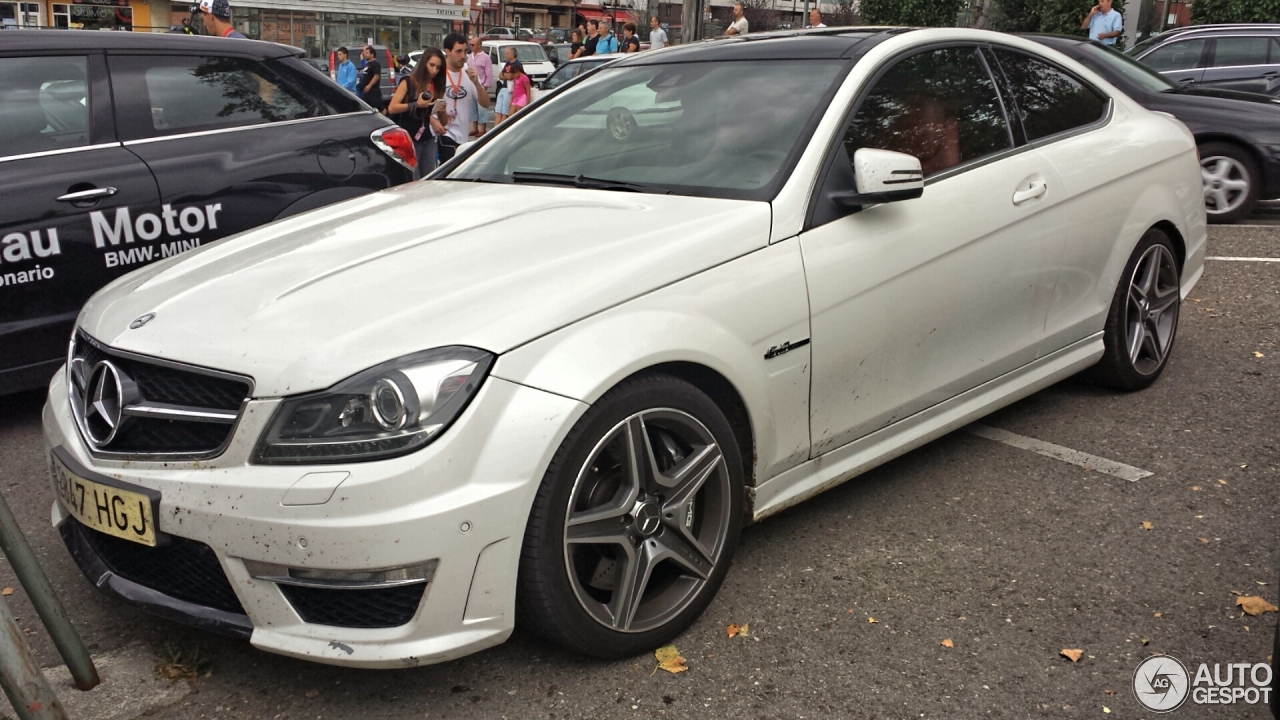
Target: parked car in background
x,y
319,64
1231,57
558,52
479,418
121,149
1237,134
508,33
532,55
559,35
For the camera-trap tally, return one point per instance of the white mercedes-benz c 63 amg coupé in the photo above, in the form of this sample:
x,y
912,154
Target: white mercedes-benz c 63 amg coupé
x,y
553,380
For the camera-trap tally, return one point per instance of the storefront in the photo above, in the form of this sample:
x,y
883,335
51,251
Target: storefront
x,y
74,14
401,26
316,26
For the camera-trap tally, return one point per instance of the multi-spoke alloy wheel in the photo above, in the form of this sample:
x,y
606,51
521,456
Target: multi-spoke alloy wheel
x,y
1151,315
634,526
647,520
1230,181
1143,319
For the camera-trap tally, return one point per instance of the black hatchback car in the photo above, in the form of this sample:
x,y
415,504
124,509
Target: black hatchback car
x,y
119,149
1230,57
1238,133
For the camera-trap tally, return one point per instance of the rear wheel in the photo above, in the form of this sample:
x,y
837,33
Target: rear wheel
x,y
1143,319
633,529
1231,181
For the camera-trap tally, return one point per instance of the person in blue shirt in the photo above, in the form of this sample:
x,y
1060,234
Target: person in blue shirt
x,y
346,72
1104,24
606,43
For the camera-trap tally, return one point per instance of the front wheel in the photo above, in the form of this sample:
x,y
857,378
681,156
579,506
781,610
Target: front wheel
x,y
1143,319
634,526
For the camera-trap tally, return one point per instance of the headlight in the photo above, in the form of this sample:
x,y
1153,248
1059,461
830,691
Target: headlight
x,y
385,411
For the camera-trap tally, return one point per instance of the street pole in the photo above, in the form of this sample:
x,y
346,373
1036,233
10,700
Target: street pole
x,y
804,19
691,21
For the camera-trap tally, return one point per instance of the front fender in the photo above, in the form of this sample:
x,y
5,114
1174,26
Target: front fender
x,y
725,319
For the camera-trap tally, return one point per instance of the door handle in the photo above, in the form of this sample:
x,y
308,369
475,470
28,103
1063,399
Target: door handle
x,y
1034,191
83,195
1187,81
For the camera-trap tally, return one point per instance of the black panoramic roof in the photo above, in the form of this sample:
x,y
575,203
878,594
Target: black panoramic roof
x,y
41,42
818,44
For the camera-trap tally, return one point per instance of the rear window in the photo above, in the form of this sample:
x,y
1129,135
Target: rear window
x,y
1048,99
1238,51
172,95
44,104
1182,55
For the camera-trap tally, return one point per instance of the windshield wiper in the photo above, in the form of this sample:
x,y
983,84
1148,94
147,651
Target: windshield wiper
x,y
582,181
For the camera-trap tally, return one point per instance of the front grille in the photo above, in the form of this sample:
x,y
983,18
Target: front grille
x,y
182,569
374,608
164,386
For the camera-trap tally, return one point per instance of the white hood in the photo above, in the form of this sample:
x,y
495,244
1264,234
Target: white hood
x,y
307,301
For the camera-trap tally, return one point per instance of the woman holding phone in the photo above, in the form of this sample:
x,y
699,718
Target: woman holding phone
x,y
418,106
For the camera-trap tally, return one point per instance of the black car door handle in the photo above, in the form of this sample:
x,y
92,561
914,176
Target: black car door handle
x,y
1271,75
83,195
1186,81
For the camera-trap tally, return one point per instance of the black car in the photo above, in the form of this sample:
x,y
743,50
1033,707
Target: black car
x,y
119,149
1238,133
1230,57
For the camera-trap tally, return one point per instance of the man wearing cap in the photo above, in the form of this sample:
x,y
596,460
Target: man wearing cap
x,y
216,16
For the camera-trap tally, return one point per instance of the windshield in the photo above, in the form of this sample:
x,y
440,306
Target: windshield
x,y
714,128
1131,69
525,53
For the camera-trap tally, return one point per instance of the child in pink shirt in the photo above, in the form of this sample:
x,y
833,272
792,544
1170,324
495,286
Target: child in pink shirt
x,y
521,87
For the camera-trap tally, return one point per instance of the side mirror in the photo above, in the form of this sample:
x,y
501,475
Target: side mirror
x,y
886,176
881,176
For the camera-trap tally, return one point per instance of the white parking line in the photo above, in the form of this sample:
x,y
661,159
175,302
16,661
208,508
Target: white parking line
x,y
1065,454
1244,259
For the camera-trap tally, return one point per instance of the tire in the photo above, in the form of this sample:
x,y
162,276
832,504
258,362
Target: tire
x,y
1157,295
1231,181
573,578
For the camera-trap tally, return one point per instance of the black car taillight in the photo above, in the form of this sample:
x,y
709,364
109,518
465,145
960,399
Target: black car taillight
x,y
395,141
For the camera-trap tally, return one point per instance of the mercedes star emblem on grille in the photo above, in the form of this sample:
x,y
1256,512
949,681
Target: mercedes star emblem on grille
x,y
102,407
142,320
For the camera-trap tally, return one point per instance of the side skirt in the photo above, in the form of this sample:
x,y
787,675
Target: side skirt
x,y
848,461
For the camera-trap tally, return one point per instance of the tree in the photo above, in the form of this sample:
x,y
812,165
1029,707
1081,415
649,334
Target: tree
x,y
918,13
1235,11
760,15
1062,17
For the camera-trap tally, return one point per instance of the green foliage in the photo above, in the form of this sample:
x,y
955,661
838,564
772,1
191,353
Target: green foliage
x,y
1235,11
1054,16
916,13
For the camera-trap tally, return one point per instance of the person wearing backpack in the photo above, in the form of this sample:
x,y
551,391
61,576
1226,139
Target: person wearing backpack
x,y
606,43
418,106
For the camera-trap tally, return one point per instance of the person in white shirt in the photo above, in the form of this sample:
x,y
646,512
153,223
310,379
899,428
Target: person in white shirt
x,y
739,24
657,36
815,19
460,84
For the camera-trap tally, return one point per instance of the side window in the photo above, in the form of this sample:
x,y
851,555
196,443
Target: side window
x,y
1048,100
164,95
939,105
1175,56
1236,51
44,104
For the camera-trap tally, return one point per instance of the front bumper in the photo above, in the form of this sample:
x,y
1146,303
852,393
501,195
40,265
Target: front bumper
x,y
461,501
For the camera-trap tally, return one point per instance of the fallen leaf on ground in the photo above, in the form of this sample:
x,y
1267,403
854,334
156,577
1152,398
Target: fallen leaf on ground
x,y
1106,709
734,630
313,693
1072,654
1204,540
1254,605
669,659
1146,525
872,620
1159,615
1224,482
1196,488
6,592
946,643
1258,354
1109,692
1236,592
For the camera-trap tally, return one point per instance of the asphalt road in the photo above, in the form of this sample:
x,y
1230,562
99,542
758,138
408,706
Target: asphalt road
x,y
1011,555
